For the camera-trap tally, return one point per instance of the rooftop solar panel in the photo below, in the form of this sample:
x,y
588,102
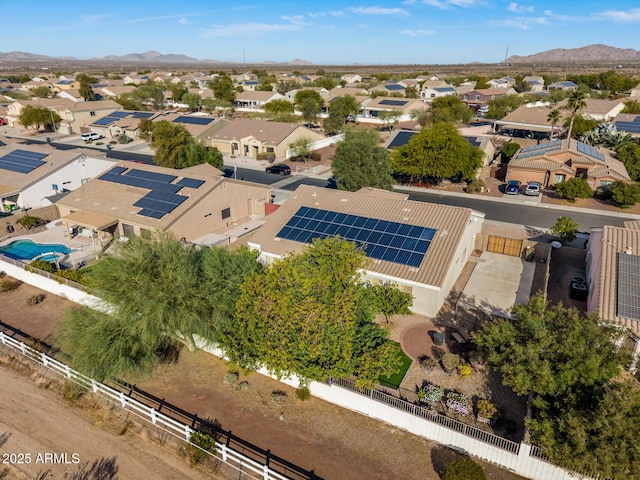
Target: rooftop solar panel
x,y
156,177
628,301
194,120
402,138
590,151
394,86
190,182
106,121
380,239
119,114
394,103
142,114
118,170
151,213
22,161
628,127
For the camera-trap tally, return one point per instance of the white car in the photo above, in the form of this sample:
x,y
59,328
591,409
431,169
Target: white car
x,y
533,189
90,136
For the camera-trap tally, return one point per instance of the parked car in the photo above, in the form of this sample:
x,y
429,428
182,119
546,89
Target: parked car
x,y
533,188
90,136
513,187
280,169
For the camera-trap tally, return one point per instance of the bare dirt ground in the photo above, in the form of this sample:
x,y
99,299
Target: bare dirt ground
x,y
35,420
315,435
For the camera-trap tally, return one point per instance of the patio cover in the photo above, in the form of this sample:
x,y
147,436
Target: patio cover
x,y
94,221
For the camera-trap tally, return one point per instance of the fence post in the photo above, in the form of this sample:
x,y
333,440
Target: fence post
x,y
524,453
123,400
223,449
45,359
265,472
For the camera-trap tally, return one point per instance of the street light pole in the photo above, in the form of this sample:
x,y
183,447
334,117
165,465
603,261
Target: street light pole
x,y
53,122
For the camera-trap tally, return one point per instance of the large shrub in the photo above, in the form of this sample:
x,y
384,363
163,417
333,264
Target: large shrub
x,y
574,188
463,469
625,194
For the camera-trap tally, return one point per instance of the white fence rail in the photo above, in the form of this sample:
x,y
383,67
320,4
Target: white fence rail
x,y
250,468
524,459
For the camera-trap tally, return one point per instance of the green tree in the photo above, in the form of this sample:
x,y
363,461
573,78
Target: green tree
x,y
37,117
265,86
85,90
509,149
504,105
390,300
196,153
150,92
214,104
411,92
573,188
170,142
575,103
581,125
177,89
192,100
440,152
340,109
309,102
160,292
278,107
553,118
360,162
389,117
629,154
301,147
565,229
287,85
222,88
625,194
450,109
632,107
550,350
325,82
41,92
422,116
311,314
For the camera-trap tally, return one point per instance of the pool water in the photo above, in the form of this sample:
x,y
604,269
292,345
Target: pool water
x,y
28,250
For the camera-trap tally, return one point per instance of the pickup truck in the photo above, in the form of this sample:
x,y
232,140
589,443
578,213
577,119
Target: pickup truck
x,y
90,136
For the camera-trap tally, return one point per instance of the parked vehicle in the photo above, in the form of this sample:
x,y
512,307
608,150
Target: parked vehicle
x,y
533,188
90,136
513,187
280,169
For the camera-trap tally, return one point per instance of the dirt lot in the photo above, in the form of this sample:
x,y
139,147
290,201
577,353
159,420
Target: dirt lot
x,y
334,442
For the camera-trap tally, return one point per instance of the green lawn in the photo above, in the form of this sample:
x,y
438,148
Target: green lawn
x,y
395,380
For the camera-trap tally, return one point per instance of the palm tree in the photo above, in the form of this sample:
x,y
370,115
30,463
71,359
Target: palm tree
x,y
576,103
553,118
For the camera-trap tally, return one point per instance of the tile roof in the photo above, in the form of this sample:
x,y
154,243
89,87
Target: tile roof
x,y
267,132
449,222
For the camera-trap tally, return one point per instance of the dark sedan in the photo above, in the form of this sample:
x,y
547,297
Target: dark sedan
x,y
279,169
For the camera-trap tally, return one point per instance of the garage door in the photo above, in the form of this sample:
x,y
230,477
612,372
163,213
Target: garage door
x,y
504,245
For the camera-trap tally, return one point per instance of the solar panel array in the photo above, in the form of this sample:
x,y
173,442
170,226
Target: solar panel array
x,y
119,114
401,138
540,149
589,150
22,161
381,239
394,86
194,120
394,103
106,121
629,127
142,114
162,198
628,301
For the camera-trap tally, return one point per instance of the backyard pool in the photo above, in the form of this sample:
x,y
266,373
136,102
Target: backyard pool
x,y
29,250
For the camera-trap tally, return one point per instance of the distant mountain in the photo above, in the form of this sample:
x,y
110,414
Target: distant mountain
x,y
151,56
23,57
590,53
299,61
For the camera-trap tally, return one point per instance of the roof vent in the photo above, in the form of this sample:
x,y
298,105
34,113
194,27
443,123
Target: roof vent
x,y
628,251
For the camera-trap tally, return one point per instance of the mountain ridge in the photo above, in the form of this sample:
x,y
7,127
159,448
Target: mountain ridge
x,y
591,53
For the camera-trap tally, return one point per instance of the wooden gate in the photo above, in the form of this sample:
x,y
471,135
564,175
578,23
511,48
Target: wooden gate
x,y
505,246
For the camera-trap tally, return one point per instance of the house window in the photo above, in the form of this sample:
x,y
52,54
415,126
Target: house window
x,y
558,178
604,184
84,180
226,213
477,97
128,230
93,114
466,97
270,149
581,172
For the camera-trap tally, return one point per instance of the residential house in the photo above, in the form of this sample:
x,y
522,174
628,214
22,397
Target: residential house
x,y
291,95
388,88
428,93
627,123
481,97
598,109
66,84
535,82
503,82
113,91
613,270
117,122
420,247
372,107
255,100
530,121
554,162
31,174
248,138
201,127
72,94
135,79
564,85
351,78
196,204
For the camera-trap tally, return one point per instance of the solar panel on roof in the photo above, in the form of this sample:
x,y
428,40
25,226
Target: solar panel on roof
x,y
151,213
156,177
394,103
628,301
118,170
381,239
119,114
22,161
137,181
401,138
142,114
394,86
106,121
628,127
589,150
194,120
190,182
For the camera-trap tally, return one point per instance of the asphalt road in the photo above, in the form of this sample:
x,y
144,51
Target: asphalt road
x,y
536,216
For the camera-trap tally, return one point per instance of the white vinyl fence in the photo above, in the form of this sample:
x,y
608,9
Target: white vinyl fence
x,y
522,458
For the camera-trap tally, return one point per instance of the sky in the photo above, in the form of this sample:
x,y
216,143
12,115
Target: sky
x,y
325,32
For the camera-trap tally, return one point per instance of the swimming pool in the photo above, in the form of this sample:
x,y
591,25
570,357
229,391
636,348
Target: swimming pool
x,y
28,250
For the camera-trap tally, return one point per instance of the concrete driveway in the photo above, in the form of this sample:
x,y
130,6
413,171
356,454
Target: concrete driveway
x,y
498,282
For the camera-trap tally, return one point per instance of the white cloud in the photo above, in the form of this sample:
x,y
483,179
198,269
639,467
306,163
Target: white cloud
x,y
416,33
514,7
445,4
377,11
523,23
293,23
331,13
182,21
620,16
